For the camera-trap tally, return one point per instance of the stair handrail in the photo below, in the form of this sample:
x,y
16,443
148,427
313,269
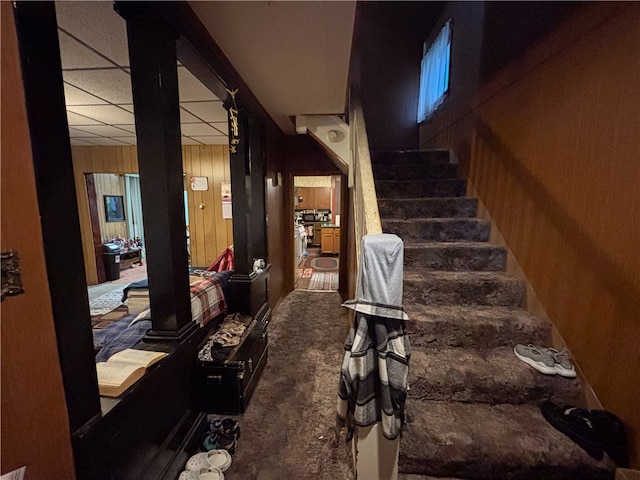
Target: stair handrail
x,y
365,202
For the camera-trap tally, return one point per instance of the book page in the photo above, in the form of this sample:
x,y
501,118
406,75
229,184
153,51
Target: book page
x,y
132,356
112,373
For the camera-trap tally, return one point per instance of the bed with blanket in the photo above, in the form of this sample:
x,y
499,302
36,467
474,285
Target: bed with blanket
x,y
209,294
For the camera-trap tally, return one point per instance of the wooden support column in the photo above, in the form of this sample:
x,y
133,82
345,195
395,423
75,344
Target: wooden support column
x,y
46,112
246,145
154,80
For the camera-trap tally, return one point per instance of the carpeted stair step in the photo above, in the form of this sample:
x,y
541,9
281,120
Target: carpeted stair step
x,y
411,476
486,442
492,375
415,171
474,326
405,157
462,288
453,207
453,187
439,229
458,256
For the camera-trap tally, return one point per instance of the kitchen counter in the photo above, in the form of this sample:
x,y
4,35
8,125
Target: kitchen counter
x,y
329,225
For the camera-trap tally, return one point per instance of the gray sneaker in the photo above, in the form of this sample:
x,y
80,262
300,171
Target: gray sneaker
x,y
538,357
563,364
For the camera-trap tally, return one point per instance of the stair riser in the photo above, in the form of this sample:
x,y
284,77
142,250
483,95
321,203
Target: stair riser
x,y
461,230
415,172
457,207
508,292
421,189
410,157
454,258
472,333
457,390
457,375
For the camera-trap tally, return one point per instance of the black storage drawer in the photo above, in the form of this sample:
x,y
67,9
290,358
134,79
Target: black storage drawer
x,y
226,386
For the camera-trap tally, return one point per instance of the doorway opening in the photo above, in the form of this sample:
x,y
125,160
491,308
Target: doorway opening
x,y
317,227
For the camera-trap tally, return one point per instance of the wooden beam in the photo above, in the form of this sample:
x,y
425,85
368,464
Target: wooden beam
x,y
154,81
44,94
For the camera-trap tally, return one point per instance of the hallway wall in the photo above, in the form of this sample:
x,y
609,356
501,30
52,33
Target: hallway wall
x,y
551,145
392,31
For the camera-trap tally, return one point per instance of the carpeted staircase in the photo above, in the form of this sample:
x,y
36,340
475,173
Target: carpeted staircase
x,y
473,406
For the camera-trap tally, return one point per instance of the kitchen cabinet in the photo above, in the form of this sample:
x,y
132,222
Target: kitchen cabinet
x,y
330,240
314,198
323,198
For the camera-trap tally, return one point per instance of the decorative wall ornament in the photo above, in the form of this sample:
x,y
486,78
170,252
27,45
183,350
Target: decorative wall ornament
x,y
234,138
11,281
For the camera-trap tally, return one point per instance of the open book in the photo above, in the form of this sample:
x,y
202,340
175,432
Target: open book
x,y
123,369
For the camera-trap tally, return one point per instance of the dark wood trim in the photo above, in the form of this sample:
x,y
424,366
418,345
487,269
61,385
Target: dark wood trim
x,y
258,226
46,112
92,199
240,181
154,81
345,213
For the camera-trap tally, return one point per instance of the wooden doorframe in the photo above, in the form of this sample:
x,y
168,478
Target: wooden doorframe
x,y
94,218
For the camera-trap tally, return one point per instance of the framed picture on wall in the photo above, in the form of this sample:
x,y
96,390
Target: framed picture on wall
x,y
114,208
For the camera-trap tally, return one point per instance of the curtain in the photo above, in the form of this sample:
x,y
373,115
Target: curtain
x,y
434,75
134,206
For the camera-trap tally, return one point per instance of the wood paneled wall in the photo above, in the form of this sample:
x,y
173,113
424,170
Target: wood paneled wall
x,y
109,184
210,234
554,154
35,427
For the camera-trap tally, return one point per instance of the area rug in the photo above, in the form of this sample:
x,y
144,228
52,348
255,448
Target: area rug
x,y
324,263
307,273
107,302
324,281
101,321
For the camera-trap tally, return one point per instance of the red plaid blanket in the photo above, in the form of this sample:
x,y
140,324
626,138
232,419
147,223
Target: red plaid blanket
x,y
207,300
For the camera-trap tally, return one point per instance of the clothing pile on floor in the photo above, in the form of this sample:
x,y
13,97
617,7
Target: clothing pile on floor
x,y
596,431
228,335
218,444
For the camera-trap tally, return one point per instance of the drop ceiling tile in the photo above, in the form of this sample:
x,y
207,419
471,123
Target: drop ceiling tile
x,y
75,119
207,111
109,114
190,141
75,142
105,141
112,85
79,133
96,24
104,130
127,128
191,129
75,55
75,96
222,127
212,139
186,117
129,140
191,89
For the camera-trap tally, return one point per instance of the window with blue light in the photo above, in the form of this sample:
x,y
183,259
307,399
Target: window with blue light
x,y
434,73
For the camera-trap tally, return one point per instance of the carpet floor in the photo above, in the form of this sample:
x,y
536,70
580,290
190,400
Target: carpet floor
x,y
288,429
